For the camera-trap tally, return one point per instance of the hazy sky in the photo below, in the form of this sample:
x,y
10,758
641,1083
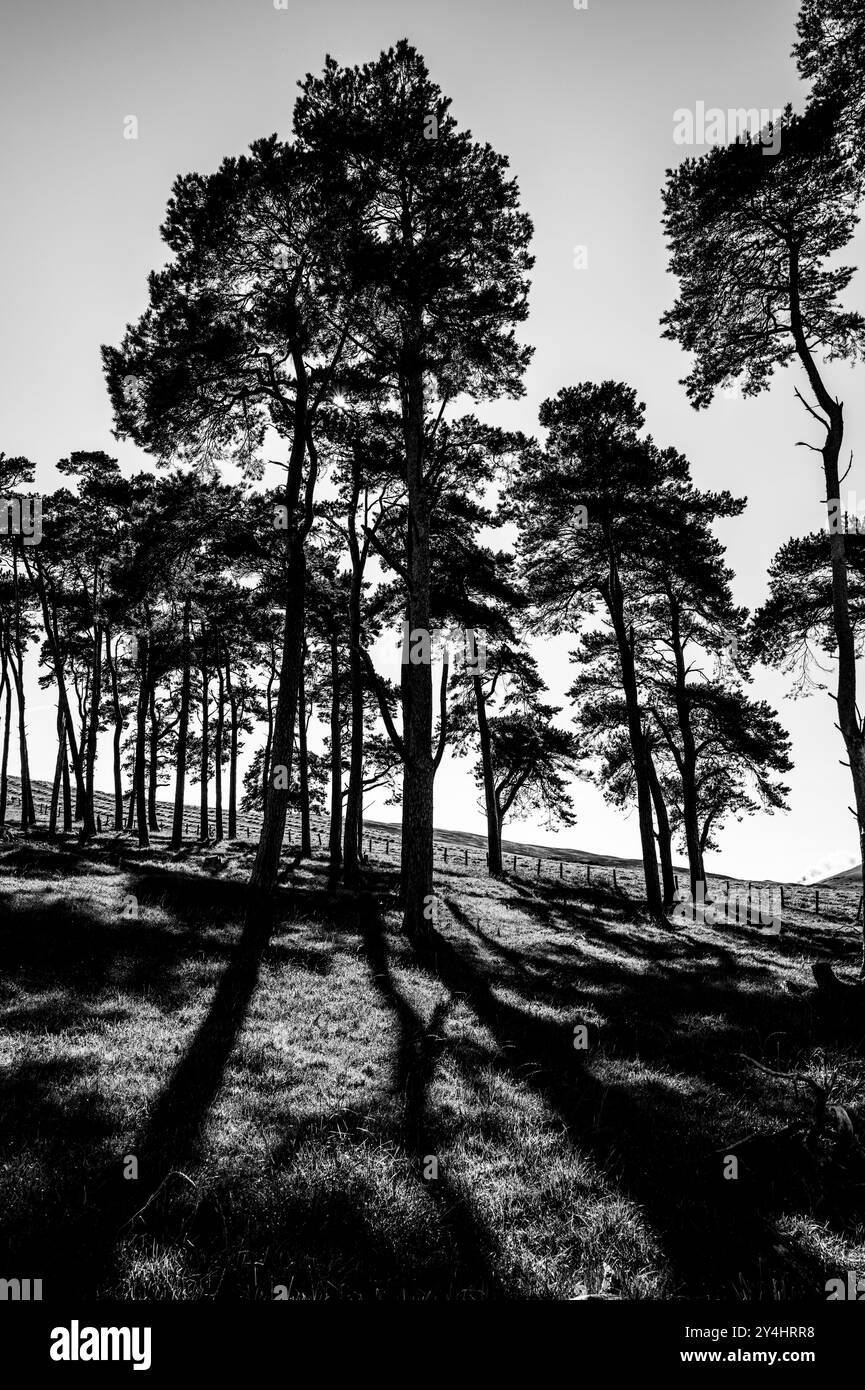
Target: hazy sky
x,y
581,101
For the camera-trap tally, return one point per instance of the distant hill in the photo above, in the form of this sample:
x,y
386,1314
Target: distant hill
x,y
850,878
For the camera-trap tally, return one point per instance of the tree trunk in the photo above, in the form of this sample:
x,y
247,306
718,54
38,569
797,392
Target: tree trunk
x,y
140,779
354,791
266,866
67,785
232,765
58,774
111,663
688,768
50,625
303,768
417,720
613,597
217,748
494,835
28,815
664,836
153,770
848,716
4,757
88,815
204,807
182,733
268,742
335,840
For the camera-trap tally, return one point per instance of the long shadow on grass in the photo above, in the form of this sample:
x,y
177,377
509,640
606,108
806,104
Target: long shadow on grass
x,y
473,1272
74,1248
719,1236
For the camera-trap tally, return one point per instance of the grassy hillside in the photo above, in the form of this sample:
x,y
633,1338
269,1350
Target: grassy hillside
x,y
340,1114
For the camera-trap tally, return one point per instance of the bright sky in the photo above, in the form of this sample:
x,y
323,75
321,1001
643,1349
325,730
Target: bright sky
x,y
582,101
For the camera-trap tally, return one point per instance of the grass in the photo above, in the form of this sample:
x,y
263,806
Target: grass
x,y
342,1115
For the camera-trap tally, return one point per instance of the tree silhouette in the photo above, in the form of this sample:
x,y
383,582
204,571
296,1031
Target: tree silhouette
x,y
436,250
754,242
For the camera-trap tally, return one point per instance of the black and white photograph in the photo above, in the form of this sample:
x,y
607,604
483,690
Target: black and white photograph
x,y
432,696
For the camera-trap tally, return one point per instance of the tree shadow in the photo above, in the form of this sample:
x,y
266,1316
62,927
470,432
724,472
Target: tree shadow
x,y
720,1237
419,1046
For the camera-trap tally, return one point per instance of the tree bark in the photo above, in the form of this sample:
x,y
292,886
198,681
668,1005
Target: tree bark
x,y
688,766
27,809
613,596
67,785
4,758
848,716
111,663
335,839
664,836
418,770
266,866
217,748
232,764
140,779
50,625
182,732
494,834
204,807
58,774
153,770
303,768
268,742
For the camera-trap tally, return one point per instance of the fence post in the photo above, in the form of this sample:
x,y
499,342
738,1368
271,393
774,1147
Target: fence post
x,y
615,885
446,854
539,868
387,847
467,858
588,873
515,863
782,897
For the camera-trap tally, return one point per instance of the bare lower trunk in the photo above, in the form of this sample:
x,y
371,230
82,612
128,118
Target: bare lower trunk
x,y
232,755
217,750
182,734
636,733
28,815
88,815
130,813
111,662
153,777
418,770
140,779
664,836
268,742
4,757
204,807
266,866
848,715
335,840
58,774
494,834
67,787
303,770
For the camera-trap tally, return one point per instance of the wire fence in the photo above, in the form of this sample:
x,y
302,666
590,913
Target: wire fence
x,y
834,904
